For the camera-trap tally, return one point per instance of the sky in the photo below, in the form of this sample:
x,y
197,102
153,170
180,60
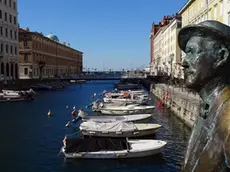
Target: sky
x,y
112,34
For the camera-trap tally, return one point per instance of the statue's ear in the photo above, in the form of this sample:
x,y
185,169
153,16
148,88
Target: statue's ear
x,y
223,56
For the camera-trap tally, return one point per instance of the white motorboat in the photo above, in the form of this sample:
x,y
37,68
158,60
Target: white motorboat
x,y
121,93
124,110
97,105
10,95
128,98
108,148
117,129
129,118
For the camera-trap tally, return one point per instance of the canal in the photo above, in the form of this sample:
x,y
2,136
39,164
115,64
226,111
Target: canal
x,y
31,141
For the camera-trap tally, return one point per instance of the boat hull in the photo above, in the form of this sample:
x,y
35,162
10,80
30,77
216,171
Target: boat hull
x,y
129,118
138,152
113,154
111,100
125,112
119,134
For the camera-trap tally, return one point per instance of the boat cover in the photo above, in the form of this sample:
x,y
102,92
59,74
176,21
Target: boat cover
x,y
108,127
95,144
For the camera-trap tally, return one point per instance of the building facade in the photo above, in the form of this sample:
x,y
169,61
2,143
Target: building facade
x,y
8,40
171,53
44,57
226,12
196,11
164,46
154,29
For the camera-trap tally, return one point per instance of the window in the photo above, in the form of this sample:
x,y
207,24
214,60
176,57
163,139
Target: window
x,y
1,30
15,20
15,35
209,14
10,3
11,34
16,52
7,48
10,18
5,16
221,8
11,49
1,47
25,44
6,32
0,14
14,5
5,2
229,18
26,71
215,12
25,57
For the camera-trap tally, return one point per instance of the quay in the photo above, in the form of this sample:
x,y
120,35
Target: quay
x,y
182,103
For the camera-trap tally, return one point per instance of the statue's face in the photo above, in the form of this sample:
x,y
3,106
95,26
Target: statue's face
x,y
199,61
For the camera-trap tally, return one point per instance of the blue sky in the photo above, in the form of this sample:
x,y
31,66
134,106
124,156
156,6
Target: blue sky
x,y
113,34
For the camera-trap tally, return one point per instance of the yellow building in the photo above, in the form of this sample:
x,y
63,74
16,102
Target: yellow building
x,y
215,10
196,11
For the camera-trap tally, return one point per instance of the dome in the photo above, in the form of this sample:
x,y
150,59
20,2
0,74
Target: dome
x,y
52,37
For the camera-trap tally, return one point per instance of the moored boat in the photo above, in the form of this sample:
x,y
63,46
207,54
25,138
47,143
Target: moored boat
x,y
10,95
128,118
110,148
128,98
122,110
118,129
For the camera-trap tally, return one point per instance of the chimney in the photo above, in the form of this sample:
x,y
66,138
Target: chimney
x,y
64,43
69,44
27,29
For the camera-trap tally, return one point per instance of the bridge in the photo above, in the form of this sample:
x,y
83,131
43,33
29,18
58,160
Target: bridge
x,y
102,77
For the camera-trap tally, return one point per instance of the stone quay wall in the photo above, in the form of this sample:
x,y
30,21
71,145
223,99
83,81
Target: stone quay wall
x,y
182,103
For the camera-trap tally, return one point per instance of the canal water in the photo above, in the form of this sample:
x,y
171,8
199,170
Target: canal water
x,y
31,141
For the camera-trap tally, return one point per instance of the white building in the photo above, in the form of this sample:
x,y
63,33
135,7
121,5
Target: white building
x,y
157,67
226,12
166,49
171,53
8,40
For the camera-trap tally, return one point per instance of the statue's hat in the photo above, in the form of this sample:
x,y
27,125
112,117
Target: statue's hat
x,y
206,28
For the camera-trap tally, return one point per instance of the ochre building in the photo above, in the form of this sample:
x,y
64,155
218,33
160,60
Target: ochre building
x,y
45,57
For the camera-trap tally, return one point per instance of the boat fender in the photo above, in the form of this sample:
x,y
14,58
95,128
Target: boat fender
x,y
67,125
137,132
49,113
119,132
73,112
105,132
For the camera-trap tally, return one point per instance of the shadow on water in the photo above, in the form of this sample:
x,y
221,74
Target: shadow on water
x,y
137,164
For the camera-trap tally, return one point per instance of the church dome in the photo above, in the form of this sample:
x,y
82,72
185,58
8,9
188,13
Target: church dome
x,y
53,37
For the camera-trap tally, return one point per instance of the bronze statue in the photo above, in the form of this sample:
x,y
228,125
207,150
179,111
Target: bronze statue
x,y
207,71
